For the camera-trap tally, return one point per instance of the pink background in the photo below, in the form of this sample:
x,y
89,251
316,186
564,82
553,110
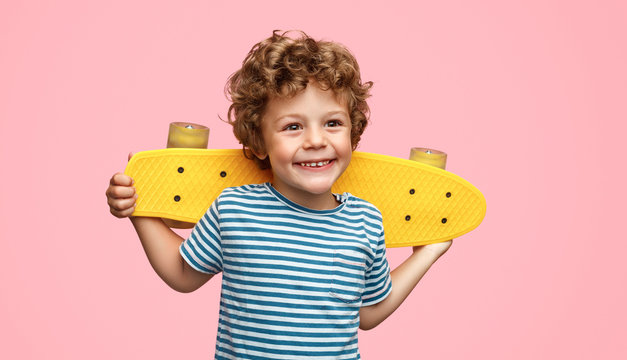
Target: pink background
x,y
527,98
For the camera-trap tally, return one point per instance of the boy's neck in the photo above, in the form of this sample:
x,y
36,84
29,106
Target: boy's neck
x,y
324,201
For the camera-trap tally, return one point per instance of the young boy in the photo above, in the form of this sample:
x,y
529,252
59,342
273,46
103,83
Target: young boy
x,y
302,267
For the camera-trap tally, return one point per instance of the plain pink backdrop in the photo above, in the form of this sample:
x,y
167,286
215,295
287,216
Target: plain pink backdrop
x,y
527,98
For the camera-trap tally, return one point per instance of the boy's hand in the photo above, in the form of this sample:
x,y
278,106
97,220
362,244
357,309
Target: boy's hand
x,y
121,194
437,249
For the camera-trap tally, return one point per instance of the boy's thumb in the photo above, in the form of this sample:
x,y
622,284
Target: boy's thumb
x,y
130,155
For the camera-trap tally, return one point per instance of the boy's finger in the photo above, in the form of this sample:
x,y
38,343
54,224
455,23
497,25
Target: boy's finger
x,y
122,213
121,204
128,212
121,179
130,155
122,192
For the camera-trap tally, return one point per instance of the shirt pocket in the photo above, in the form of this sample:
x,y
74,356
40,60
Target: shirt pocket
x,y
348,278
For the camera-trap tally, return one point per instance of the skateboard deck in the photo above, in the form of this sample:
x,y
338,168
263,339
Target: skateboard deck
x,y
421,204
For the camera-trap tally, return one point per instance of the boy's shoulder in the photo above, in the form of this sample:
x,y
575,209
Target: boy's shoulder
x,y
355,201
250,191
357,205
246,189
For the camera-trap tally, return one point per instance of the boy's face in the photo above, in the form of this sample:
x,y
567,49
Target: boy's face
x,y
308,140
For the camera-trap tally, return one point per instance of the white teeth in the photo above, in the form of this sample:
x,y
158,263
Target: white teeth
x,y
313,164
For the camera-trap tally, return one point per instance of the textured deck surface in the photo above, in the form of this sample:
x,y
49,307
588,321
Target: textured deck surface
x,y
420,204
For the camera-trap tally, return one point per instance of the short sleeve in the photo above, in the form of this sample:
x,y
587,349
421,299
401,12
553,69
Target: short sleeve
x,y
202,250
378,281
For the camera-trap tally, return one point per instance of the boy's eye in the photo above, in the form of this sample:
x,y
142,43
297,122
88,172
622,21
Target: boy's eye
x,y
292,127
333,123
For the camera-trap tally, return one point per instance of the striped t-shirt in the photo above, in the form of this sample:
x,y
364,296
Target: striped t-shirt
x,y
293,278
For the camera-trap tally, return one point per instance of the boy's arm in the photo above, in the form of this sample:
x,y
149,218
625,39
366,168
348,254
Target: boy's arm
x,y
161,245
404,278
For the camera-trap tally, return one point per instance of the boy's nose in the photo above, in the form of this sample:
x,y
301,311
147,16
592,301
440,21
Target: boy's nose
x,y
314,138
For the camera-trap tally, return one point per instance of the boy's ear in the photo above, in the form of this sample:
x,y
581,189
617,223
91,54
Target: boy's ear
x,y
259,155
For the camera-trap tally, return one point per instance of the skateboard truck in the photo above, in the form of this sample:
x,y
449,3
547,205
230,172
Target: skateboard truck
x,y
185,135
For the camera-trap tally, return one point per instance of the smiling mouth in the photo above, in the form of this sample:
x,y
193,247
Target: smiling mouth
x,y
315,163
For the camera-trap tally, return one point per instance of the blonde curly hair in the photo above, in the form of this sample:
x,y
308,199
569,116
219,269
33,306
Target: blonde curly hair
x,y
281,66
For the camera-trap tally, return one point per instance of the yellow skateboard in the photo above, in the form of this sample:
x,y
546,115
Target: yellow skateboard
x,y
421,204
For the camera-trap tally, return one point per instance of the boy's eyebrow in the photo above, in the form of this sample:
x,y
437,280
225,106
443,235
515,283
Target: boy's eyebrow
x,y
288,115
330,113
341,112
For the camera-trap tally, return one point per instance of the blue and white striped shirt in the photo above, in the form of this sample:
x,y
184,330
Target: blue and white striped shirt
x,y
293,278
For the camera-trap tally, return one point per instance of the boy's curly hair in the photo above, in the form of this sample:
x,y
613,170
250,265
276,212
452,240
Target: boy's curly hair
x,y
282,66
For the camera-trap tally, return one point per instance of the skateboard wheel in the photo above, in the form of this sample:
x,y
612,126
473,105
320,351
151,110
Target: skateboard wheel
x,y
188,135
428,156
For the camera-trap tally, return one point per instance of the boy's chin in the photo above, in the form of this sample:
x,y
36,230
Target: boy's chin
x,y
318,188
